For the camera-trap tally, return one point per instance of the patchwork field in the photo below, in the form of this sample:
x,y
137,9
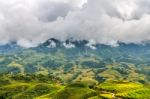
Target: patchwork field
x,y
52,88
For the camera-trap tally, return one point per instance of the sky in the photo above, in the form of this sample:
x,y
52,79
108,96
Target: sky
x,y
31,22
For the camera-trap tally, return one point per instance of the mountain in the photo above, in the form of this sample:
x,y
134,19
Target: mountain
x,y
73,56
73,66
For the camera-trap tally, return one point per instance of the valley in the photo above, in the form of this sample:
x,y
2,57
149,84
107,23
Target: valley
x,y
75,73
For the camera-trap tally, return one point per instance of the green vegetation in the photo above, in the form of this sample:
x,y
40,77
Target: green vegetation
x,y
124,89
54,88
79,73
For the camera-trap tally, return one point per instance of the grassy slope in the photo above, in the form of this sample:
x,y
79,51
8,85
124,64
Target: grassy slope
x,y
81,69
124,89
77,90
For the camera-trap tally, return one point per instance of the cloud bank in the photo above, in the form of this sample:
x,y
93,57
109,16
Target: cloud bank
x,y
31,22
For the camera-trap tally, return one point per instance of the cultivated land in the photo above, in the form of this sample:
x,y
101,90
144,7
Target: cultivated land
x,y
106,72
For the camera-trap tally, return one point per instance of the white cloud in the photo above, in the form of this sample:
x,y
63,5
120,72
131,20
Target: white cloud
x,y
52,44
91,44
105,21
25,43
69,45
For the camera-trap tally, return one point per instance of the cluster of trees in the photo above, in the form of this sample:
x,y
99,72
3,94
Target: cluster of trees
x,y
92,64
7,78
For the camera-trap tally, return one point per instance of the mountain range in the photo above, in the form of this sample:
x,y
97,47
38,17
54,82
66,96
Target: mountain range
x,y
70,64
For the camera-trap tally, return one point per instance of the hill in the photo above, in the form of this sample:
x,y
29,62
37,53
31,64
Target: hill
x,y
56,69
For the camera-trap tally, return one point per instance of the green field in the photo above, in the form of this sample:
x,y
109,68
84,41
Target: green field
x,y
35,87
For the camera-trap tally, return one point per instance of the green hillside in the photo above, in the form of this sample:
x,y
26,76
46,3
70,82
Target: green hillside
x,y
35,87
78,73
